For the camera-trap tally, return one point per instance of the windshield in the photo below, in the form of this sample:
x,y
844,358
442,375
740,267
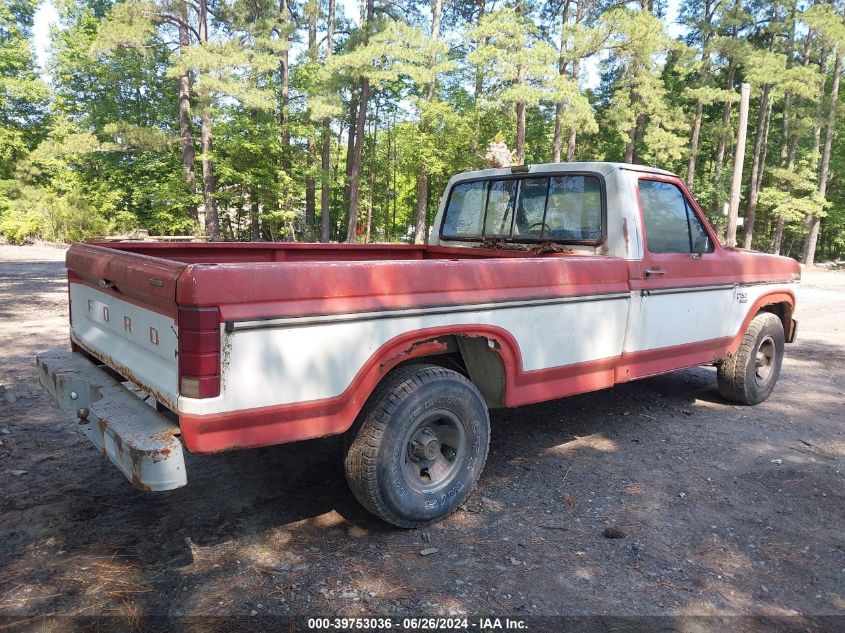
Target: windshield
x,y
563,208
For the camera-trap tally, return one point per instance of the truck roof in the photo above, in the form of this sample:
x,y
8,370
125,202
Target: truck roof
x,y
600,167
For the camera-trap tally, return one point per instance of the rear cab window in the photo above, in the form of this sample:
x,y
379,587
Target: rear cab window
x,y
565,208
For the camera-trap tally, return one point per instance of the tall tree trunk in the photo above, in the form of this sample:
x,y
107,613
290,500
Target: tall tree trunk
x,y
557,143
724,131
284,86
371,175
310,189
635,133
573,133
186,137
629,146
764,152
422,176
350,142
355,164
787,98
212,219
326,150
358,147
753,190
580,12
520,132
479,86
814,221
792,151
639,132
254,220
777,235
817,126
311,159
817,121
794,128
709,7
693,143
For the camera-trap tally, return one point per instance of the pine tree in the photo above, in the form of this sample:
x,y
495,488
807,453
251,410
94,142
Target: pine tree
x,y
422,177
22,92
325,153
639,108
520,68
831,27
368,8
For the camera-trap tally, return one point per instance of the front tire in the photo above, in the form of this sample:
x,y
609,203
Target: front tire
x,y
749,376
419,446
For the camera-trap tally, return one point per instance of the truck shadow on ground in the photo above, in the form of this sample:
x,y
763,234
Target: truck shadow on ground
x,y
234,494
238,494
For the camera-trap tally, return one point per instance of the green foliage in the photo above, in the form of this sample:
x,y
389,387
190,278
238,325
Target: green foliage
x,y
519,67
99,149
638,91
792,195
23,95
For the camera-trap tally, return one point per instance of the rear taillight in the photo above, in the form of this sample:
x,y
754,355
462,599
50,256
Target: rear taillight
x,y
199,352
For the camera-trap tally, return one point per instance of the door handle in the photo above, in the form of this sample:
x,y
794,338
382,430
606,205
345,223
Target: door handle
x,y
654,272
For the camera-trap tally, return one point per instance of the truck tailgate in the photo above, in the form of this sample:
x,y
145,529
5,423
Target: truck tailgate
x,y
123,312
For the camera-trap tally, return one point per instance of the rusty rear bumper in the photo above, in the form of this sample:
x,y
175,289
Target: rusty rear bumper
x,y
139,441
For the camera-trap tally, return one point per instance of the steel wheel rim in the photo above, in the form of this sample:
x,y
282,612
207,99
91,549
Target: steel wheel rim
x,y
434,448
764,360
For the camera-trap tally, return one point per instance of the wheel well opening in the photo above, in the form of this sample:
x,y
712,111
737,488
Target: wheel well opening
x,y
477,358
782,310
447,360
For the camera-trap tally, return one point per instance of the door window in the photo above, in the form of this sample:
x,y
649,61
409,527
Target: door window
x,y
671,226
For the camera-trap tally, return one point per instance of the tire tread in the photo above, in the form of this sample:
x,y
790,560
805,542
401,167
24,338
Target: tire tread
x,y
361,461
732,371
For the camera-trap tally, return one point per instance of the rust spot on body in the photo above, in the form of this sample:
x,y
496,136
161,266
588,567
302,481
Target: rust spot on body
x,y
126,373
625,232
420,348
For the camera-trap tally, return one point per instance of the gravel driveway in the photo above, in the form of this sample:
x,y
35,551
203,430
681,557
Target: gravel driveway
x,y
725,510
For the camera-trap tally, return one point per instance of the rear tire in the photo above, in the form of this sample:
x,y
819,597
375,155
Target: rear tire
x,y
419,445
749,376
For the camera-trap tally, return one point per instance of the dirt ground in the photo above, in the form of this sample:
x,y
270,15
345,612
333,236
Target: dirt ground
x,y
726,510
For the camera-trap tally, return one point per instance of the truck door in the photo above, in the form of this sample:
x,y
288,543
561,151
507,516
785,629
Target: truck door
x,y
686,283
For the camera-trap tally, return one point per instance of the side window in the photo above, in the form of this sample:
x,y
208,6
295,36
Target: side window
x,y
464,215
670,224
701,242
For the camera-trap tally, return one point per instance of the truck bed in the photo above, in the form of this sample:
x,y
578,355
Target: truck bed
x,y
258,252
251,280
148,311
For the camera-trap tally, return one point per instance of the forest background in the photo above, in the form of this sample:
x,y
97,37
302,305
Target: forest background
x,y
337,120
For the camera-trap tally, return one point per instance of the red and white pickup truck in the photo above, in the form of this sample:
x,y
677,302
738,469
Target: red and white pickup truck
x,y
538,282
